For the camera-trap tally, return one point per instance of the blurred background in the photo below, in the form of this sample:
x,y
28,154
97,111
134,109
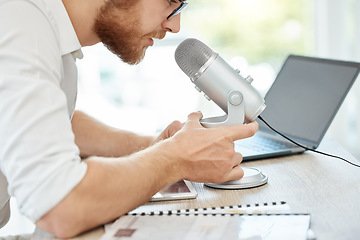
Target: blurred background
x,y
254,36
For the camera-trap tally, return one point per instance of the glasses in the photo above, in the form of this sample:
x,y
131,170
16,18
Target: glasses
x,y
179,9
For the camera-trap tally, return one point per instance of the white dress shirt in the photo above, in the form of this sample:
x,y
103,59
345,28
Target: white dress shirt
x,y
39,161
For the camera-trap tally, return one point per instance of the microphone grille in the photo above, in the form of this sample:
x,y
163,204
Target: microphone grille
x,y
191,55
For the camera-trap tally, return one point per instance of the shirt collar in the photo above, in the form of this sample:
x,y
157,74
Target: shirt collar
x,y
69,43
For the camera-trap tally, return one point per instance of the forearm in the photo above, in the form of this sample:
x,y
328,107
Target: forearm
x,y
110,188
96,139
113,186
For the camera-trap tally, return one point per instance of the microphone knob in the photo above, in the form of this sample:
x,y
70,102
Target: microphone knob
x,y
249,79
237,70
235,98
207,97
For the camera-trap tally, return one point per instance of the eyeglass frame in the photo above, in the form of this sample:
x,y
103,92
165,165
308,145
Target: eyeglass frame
x,y
183,5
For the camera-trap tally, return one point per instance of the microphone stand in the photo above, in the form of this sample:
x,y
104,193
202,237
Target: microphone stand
x,y
235,115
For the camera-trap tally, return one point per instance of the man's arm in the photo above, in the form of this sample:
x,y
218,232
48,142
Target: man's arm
x,y
96,139
112,187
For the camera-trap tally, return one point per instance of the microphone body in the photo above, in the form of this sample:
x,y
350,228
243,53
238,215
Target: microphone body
x,y
220,79
221,83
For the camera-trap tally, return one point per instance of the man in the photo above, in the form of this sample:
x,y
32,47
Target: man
x,y
40,148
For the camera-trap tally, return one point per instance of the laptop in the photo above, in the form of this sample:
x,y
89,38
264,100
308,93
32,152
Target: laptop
x,y
301,104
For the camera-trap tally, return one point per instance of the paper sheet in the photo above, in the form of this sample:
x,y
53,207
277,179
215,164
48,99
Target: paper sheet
x,y
209,227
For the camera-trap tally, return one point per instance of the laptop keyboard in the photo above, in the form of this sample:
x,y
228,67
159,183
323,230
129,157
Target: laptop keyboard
x,y
264,144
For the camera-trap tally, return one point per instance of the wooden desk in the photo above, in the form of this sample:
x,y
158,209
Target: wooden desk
x,y
327,188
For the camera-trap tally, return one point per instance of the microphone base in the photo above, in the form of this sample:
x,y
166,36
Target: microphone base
x,y
252,178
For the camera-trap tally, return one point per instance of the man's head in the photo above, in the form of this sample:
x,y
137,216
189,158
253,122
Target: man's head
x,y
127,27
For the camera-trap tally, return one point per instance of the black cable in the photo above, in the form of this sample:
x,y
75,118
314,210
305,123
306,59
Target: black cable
x,y
306,148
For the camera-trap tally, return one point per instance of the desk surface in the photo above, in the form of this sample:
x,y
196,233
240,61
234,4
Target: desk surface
x,y
327,188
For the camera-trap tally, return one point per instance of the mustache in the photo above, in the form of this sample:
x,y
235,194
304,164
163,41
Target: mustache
x,y
156,34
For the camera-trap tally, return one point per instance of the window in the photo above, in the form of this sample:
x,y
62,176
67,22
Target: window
x,y
338,36
254,36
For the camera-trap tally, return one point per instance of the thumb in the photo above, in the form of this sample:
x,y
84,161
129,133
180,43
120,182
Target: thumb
x,y
194,120
169,131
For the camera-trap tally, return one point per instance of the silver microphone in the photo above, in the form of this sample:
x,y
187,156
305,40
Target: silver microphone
x,y
233,93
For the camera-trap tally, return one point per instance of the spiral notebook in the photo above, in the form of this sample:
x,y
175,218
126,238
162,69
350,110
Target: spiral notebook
x,y
268,221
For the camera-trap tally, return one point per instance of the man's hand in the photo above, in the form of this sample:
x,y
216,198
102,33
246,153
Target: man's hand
x,y
208,155
169,131
122,184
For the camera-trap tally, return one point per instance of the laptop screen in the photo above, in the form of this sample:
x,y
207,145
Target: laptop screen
x,y
306,95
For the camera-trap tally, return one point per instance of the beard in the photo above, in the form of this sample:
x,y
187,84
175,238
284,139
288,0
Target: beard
x,y
118,28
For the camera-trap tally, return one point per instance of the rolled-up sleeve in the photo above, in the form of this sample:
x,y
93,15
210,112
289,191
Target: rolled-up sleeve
x,y
38,154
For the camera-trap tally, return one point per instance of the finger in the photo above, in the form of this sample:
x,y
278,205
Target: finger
x,y
174,127
237,159
235,173
182,124
195,116
241,131
194,119
169,131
